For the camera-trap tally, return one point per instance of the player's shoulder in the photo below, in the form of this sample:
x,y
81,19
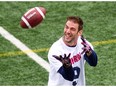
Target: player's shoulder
x,y
55,48
56,44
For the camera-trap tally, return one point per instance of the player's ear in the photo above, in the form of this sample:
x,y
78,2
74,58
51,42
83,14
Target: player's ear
x,y
80,32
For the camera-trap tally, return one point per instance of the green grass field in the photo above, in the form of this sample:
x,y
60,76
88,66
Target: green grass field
x,y
99,25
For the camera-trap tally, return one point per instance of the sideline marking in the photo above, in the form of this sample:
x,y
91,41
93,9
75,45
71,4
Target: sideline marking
x,y
15,53
24,48
96,43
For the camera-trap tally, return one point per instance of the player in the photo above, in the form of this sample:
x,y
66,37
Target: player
x,y
67,56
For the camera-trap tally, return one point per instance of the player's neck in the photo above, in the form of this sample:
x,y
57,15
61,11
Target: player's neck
x,y
70,44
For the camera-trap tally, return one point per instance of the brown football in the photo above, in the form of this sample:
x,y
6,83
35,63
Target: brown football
x,y
33,17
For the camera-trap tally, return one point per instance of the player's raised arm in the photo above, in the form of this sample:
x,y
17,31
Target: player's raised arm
x,y
90,55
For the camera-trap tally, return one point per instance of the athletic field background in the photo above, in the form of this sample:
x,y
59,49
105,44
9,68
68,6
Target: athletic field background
x,y
17,69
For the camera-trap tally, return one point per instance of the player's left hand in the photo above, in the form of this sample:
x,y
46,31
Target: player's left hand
x,y
86,49
65,60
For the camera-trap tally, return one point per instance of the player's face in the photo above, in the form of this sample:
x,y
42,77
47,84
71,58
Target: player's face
x,y
70,33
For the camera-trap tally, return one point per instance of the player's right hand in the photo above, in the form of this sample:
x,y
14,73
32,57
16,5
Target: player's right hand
x,y
65,60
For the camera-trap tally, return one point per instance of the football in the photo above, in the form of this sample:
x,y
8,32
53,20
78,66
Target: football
x,y
33,17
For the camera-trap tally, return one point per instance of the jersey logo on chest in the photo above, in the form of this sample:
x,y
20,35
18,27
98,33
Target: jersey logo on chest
x,y
75,58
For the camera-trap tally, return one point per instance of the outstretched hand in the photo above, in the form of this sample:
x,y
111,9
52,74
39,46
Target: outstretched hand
x,y
65,60
86,49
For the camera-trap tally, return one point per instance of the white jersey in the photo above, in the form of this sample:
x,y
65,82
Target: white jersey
x,y
77,61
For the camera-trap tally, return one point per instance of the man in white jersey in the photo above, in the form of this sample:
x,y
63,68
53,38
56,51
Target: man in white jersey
x,y
67,56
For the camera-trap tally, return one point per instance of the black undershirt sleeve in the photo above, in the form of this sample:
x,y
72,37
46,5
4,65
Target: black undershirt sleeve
x,y
67,73
92,59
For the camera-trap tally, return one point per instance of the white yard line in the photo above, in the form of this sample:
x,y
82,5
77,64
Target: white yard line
x,y
24,48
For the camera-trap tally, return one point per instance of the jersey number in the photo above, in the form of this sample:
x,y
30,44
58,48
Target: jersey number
x,y
76,75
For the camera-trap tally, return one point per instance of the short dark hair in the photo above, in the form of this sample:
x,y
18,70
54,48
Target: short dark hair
x,y
76,19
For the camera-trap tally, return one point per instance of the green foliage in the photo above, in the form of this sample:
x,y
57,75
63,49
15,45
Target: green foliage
x,y
99,25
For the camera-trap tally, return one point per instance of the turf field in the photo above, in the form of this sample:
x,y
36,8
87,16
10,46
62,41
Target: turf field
x,y
17,69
